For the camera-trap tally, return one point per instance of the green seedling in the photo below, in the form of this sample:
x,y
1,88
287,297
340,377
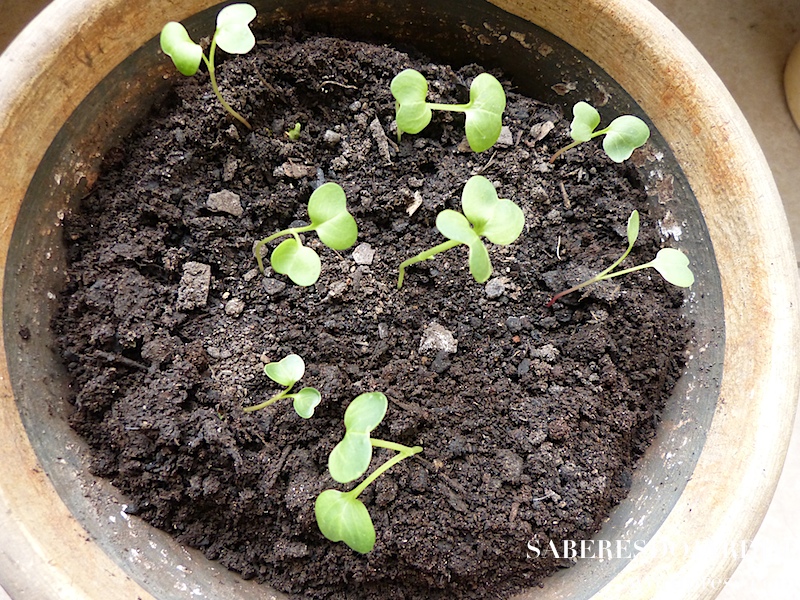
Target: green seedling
x,y
623,135
341,516
498,220
233,35
672,264
287,372
484,111
336,228
294,133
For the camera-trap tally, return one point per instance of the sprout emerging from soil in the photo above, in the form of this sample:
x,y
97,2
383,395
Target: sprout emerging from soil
x,y
672,264
294,133
233,35
623,135
287,372
498,220
336,228
341,516
484,111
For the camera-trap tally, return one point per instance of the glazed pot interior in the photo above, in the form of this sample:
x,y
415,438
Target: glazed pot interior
x,y
454,31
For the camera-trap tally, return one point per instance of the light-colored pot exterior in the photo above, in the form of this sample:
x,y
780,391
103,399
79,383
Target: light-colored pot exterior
x,y
53,65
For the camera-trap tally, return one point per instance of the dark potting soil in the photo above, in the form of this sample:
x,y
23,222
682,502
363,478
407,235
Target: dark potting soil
x,y
531,418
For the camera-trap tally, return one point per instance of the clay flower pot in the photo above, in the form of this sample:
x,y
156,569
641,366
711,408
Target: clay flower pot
x,y
74,82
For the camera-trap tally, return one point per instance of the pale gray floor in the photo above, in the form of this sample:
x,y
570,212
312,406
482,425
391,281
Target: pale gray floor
x,y
746,42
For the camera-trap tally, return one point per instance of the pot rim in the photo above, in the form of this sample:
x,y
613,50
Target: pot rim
x,y
44,549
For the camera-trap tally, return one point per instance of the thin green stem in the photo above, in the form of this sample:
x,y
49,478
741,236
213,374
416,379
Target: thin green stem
x,y
391,446
575,143
425,255
600,277
580,286
602,274
450,107
290,231
273,400
629,270
403,452
562,150
210,64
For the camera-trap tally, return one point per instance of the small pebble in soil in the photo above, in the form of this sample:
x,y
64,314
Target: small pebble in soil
x,y
495,287
218,353
514,324
234,307
225,202
440,364
540,130
194,286
331,137
364,254
233,133
273,287
506,139
524,367
548,352
436,338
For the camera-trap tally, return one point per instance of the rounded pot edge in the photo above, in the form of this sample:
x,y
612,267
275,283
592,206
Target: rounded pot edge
x,y
733,483
740,464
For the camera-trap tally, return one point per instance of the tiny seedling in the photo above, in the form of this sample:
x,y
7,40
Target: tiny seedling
x,y
498,220
294,133
672,264
341,516
623,135
233,35
336,228
288,371
484,111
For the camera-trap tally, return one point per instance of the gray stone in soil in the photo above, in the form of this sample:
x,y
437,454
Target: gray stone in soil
x,y
234,307
506,139
495,287
273,287
436,338
194,286
364,254
225,202
331,137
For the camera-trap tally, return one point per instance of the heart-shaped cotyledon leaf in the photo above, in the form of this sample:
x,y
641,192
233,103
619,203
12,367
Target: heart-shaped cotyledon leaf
x,y
305,401
455,226
673,265
410,89
350,458
233,33
498,220
623,136
287,371
484,115
327,209
300,263
585,120
176,43
343,518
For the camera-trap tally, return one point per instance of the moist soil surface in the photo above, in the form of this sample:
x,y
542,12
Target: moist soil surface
x,y
531,418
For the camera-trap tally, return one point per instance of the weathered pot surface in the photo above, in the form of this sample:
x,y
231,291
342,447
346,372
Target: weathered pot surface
x,y
702,488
